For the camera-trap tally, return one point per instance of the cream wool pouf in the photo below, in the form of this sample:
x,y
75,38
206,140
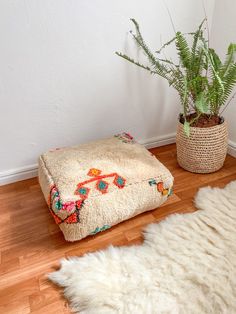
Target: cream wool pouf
x,y
93,186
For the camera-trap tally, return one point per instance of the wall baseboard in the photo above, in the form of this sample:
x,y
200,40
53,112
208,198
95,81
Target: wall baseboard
x,y
18,174
27,172
158,141
232,148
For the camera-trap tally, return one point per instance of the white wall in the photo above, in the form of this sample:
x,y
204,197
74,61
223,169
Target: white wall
x,y
223,32
62,84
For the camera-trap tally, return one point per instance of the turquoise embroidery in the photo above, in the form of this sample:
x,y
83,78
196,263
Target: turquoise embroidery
x,y
105,227
170,192
56,194
102,185
120,181
72,207
58,205
160,187
152,182
82,191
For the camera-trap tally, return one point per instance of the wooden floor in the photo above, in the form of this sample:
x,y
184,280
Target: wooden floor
x,y
31,243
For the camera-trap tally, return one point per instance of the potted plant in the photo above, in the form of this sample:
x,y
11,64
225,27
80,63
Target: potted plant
x,y
204,84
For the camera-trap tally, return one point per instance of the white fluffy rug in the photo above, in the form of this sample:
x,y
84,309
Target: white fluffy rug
x,y
187,264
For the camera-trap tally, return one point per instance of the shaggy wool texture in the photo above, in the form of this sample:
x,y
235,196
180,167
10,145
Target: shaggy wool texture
x,y
92,187
187,264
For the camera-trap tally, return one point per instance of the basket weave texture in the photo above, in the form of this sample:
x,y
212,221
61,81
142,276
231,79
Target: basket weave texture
x,y
205,150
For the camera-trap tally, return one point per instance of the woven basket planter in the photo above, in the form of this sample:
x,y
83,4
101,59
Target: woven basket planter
x,y
205,150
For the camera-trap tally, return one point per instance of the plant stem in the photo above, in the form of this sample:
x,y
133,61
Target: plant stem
x,y
171,20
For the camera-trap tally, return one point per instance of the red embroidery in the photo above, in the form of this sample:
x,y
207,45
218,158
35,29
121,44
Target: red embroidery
x,y
72,219
73,207
160,187
119,181
101,185
82,192
125,137
56,204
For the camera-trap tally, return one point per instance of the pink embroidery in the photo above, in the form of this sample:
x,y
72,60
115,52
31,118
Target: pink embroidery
x,y
68,206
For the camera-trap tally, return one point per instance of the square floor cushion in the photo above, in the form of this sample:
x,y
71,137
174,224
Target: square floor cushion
x,y
93,186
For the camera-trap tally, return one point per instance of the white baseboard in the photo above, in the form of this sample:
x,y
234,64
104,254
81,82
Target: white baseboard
x,y
232,148
18,174
158,141
27,172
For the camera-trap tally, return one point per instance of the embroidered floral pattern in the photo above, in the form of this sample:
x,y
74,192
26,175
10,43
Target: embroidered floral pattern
x,y
68,206
72,207
152,182
82,192
170,191
94,172
125,137
165,192
101,184
105,227
119,181
160,187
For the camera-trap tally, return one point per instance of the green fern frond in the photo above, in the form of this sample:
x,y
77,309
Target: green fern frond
x,y
201,103
230,58
229,82
215,59
215,73
196,36
133,61
183,50
161,69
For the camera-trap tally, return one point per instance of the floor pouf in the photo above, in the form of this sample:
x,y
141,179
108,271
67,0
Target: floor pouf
x,y
93,186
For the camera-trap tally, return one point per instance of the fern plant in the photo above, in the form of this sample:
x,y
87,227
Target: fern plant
x,y
203,82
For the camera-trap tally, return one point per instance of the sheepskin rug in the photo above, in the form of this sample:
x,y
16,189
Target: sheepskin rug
x,y
187,264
